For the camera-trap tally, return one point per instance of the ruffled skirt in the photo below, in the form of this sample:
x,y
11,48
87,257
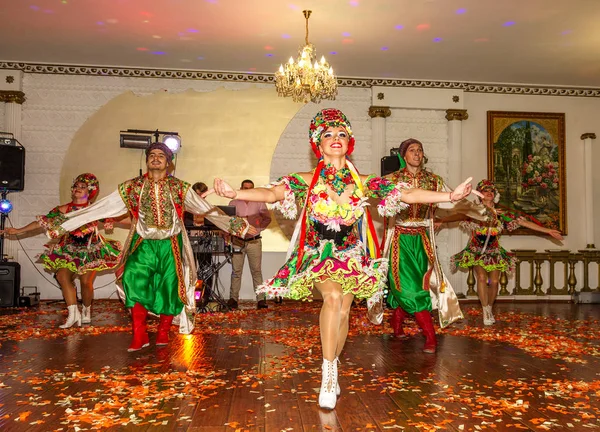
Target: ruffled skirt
x,y
351,268
100,254
496,258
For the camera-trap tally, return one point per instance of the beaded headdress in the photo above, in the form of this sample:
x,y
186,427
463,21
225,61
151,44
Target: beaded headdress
x,y
488,185
329,117
91,182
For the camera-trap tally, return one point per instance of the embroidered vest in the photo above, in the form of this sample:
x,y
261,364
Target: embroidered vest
x,y
131,190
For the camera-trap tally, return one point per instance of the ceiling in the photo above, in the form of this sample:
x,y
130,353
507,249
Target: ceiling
x,y
551,42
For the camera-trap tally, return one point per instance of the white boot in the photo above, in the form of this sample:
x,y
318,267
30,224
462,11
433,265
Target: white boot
x,y
338,389
327,395
486,317
86,314
491,314
74,317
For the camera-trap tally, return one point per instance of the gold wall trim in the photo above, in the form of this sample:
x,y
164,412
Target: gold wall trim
x,y
379,111
12,96
590,135
456,114
538,90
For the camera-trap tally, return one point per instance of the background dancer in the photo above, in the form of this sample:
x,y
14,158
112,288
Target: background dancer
x,y
79,253
159,269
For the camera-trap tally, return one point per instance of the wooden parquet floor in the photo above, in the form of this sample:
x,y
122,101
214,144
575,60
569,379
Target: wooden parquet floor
x,y
536,369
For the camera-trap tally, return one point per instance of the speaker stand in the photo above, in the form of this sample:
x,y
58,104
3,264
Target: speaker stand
x,y
3,194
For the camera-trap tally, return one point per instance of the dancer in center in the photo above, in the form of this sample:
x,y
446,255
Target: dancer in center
x,y
334,247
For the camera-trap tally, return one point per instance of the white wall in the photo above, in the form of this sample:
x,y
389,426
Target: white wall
x,y
57,106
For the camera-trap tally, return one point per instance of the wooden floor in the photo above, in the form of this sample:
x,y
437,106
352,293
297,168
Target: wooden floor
x,y
536,369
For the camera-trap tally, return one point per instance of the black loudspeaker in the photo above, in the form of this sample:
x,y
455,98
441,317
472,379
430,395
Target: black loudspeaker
x,y
389,164
10,282
12,167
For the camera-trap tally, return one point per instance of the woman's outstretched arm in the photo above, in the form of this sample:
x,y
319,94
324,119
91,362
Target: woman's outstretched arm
x,y
551,232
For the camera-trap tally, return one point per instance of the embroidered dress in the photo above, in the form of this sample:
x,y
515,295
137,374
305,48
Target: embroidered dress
x,y
483,248
81,250
335,239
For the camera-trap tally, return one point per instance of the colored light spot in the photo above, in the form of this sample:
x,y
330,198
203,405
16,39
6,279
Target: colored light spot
x,y
100,23
346,34
156,37
252,69
353,2
112,21
268,47
399,27
269,55
333,52
437,39
461,11
423,27
293,7
192,30
34,7
508,23
285,36
200,58
159,53
566,32
142,49
145,13
384,48
482,40
212,1
347,41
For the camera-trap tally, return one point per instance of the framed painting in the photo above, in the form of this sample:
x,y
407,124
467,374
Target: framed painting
x,y
526,161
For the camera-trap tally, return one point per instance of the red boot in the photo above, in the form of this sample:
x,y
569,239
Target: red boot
x,y
162,337
397,322
426,323
140,331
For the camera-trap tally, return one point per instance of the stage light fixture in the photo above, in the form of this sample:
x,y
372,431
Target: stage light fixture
x,y
135,141
173,142
5,206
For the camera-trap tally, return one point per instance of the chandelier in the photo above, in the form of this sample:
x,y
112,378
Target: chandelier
x,y
306,79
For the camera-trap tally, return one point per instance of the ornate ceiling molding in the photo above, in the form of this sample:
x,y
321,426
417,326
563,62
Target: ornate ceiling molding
x,y
538,90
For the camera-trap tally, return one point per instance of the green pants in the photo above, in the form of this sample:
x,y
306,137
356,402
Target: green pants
x,y
408,265
150,276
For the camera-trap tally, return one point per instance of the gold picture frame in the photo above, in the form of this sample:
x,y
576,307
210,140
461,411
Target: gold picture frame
x,y
526,161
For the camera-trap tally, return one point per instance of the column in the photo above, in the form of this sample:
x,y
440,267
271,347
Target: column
x,y
378,115
456,238
587,139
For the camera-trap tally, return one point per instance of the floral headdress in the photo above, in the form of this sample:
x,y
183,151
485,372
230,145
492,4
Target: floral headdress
x,y
488,185
329,117
91,182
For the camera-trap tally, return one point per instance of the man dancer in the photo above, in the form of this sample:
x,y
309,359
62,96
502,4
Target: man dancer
x,y
159,270
258,216
414,268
